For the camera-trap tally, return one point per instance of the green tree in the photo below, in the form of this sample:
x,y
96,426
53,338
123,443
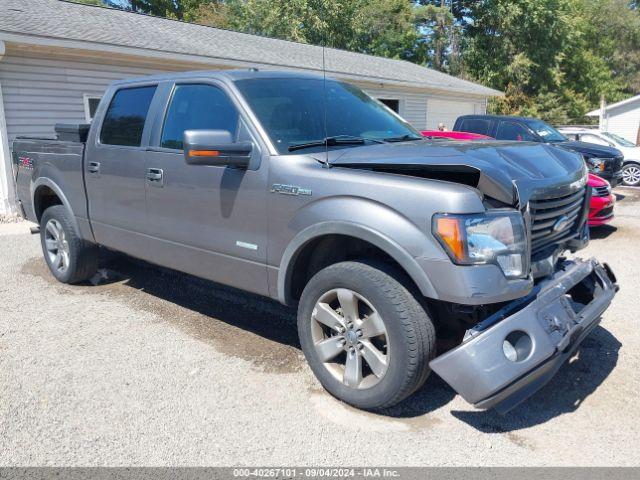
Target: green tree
x,y
538,53
378,27
612,29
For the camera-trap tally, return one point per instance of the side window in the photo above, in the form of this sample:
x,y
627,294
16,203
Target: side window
x,y
197,107
513,131
475,126
124,121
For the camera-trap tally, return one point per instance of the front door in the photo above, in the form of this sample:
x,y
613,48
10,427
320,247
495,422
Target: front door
x,y
209,221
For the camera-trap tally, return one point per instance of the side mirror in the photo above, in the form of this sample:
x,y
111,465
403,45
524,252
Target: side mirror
x,y
215,148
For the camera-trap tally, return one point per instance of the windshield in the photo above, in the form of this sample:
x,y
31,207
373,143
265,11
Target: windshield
x,y
623,142
547,132
292,112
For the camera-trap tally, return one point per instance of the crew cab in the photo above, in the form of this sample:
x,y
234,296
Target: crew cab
x,y
401,255
604,161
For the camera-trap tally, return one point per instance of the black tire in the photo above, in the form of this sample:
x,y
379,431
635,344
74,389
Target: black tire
x,y
410,332
635,167
83,256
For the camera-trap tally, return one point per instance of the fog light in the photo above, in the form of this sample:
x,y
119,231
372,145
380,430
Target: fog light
x,y
517,346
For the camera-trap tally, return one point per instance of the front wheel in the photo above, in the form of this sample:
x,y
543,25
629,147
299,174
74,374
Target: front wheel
x,y
364,335
631,174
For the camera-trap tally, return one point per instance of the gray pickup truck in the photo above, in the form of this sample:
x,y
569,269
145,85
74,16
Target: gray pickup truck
x,y
402,255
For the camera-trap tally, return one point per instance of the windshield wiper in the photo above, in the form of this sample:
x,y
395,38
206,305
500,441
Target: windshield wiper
x,y
333,141
403,138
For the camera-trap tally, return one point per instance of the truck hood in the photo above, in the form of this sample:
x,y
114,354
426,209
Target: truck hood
x,y
510,172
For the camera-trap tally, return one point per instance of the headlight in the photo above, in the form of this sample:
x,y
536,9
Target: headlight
x,y
496,237
595,164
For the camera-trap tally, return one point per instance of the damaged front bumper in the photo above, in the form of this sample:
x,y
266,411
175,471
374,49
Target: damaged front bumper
x,y
510,355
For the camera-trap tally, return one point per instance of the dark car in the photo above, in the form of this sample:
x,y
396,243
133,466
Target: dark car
x,y
606,162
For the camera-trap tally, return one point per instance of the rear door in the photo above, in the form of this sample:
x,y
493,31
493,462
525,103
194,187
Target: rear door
x,y
115,167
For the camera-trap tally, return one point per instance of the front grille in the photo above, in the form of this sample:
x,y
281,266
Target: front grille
x,y
545,214
601,191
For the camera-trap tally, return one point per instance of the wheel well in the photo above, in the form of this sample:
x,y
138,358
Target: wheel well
x,y
44,198
329,249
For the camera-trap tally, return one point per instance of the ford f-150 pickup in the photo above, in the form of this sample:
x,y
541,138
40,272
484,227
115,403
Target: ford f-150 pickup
x,y
402,254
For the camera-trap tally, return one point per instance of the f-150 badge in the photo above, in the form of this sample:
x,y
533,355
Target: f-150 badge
x,y
289,189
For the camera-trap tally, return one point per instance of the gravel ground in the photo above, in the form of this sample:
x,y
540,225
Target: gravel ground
x,y
152,367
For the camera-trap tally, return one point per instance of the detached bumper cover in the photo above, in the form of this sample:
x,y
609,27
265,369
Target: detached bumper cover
x,y
551,323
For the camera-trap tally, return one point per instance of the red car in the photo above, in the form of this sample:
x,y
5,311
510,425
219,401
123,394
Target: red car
x,y
602,200
455,135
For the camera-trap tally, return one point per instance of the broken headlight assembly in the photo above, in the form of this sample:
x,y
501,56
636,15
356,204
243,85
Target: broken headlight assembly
x,y
494,237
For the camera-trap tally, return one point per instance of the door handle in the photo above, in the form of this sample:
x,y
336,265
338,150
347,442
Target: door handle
x,y
155,176
94,167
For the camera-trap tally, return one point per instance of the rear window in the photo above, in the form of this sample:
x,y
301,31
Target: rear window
x,y
124,121
475,125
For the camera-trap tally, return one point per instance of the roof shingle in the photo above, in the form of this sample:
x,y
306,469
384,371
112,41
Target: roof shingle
x,y
95,25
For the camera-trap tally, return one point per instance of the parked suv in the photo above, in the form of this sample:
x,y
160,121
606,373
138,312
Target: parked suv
x,y
604,161
631,152
308,191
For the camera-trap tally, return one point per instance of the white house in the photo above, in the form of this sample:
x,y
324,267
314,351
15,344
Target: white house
x,y
57,57
622,118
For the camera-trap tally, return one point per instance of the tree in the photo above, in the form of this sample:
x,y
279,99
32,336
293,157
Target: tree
x,y
379,27
176,9
441,31
612,29
538,53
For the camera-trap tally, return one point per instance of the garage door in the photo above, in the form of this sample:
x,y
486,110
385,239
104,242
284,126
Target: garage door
x,y
447,111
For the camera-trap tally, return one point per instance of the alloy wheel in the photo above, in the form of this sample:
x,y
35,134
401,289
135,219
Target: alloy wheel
x,y
631,175
56,245
350,338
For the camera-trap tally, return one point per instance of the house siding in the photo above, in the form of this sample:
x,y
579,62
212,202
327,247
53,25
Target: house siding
x,y
624,121
42,90
414,107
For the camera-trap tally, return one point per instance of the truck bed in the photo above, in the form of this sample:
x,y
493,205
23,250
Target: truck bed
x,y
42,163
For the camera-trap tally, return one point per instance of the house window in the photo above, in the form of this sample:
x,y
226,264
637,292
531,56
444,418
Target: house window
x,y
90,106
392,103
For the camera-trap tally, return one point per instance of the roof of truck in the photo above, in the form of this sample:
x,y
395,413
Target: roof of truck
x,y
232,75
54,22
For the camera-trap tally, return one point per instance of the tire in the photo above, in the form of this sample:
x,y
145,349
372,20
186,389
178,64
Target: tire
x,y
69,258
401,364
631,174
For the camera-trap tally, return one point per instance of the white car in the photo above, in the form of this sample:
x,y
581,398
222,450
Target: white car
x,y
631,168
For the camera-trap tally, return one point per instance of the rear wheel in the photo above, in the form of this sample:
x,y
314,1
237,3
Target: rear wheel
x,y
365,336
631,174
70,258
